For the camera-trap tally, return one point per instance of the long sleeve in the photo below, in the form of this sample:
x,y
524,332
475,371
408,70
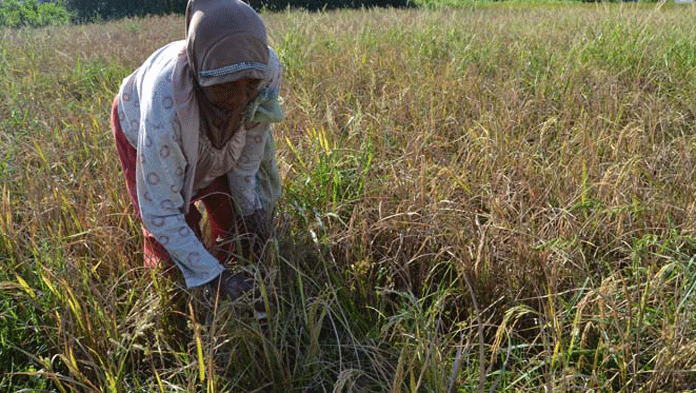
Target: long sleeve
x,y
242,177
159,181
150,117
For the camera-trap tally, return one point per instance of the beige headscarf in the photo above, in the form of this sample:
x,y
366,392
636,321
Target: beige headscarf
x,y
225,42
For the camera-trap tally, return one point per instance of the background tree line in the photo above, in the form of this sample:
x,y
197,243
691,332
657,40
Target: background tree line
x,y
37,13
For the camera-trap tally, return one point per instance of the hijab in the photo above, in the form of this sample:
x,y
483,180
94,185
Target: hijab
x,y
225,41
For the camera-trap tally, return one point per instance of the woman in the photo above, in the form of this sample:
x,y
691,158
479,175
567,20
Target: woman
x,y
192,123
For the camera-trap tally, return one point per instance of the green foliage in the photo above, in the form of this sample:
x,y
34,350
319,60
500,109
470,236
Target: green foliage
x,y
18,337
32,13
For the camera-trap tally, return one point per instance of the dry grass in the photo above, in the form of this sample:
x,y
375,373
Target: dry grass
x,y
480,199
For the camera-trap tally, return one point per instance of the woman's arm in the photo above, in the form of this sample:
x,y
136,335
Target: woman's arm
x,y
266,108
159,182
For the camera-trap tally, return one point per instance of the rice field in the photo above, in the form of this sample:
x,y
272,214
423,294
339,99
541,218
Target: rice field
x,y
492,197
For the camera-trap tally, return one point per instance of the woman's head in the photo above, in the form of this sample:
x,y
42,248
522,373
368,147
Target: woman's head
x,y
228,57
225,42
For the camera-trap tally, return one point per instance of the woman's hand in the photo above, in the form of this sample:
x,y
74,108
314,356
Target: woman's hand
x,y
247,239
259,224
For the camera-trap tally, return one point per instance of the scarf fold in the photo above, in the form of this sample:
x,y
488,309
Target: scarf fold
x,y
265,108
